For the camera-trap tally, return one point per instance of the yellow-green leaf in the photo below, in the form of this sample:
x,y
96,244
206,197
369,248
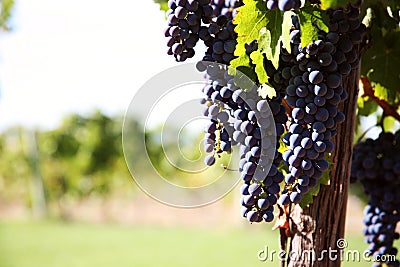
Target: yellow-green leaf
x,y
326,4
266,90
286,26
312,20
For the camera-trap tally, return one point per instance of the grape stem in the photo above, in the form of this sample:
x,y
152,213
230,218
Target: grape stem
x,y
388,110
288,108
228,169
364,133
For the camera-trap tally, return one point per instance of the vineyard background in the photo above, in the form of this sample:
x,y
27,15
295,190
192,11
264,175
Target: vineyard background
x,y
100,208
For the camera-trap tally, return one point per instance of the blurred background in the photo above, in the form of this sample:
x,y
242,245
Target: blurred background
x,y
68,71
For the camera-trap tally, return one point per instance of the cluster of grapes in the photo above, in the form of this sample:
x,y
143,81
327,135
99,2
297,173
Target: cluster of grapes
x,y
376,164
184,23
208,20
219,130
260,178
217,139
225,7
219,108
380,233
345,32
278,110
252,117
314,93
283,5
261,185
220,39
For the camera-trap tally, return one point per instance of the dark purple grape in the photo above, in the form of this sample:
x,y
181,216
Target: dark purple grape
x,y
315,77
209,160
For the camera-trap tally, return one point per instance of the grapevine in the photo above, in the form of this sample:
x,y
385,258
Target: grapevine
x,y
302,56
376,164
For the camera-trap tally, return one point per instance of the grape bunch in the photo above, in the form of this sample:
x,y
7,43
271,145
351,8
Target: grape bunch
x,y
252,121
314,92
225,7
283,5
218,103
220,39
208,20
185,18
218,130
217,138
376,164
261,185
280,118
345,32
260,178
220,36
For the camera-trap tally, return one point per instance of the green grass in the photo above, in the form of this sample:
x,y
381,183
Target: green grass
x,y
56,244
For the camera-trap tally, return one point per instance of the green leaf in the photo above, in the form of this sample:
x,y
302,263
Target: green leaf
x,y
380,91
271,45
380,63
163,4
326,4
283,168
266,90
308,198
360,102
389,122
286,26
366,106
251,18
312,20
282,146
246,70
258,60
256,23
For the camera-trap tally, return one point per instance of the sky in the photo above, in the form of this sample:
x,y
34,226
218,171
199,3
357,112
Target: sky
x,y
77,55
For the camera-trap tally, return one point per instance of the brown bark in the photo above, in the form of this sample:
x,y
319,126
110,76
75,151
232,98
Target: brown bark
x,y
388,110
320,226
